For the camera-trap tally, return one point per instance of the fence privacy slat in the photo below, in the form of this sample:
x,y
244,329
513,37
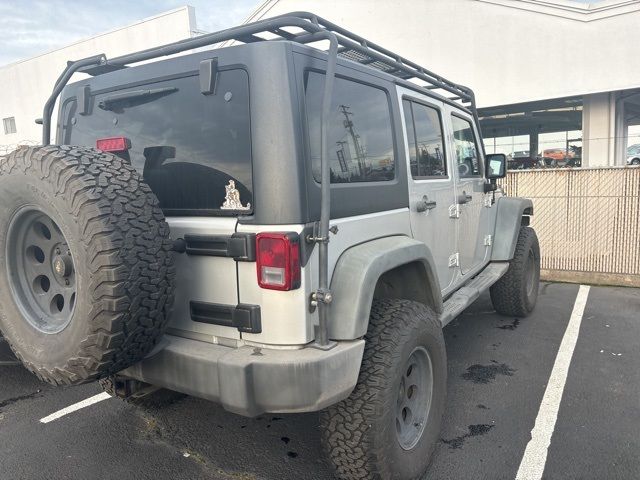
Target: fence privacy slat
x,y
587,221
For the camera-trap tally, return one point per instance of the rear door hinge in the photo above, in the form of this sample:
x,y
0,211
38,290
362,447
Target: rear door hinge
x,y
454,260
454,211
488,240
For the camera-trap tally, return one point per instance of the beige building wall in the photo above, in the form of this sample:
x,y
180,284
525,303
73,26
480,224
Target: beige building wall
x,y
26,85
508,51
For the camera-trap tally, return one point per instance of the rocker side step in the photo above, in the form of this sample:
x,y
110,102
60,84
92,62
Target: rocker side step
x,y
468,294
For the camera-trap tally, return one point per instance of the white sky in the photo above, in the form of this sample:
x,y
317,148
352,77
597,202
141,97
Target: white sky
x,y
32,27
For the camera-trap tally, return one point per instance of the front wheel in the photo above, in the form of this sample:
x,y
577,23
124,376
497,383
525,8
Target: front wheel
x,y
516,293
389,426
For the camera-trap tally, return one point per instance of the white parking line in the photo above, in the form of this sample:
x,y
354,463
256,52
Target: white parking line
x,y
75,407
535,455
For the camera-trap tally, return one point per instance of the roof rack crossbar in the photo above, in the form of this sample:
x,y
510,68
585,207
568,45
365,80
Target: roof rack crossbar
x,y
312,29
370,46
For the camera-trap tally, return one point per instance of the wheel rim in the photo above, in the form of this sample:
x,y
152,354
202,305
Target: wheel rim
x,y
530,275
41,271
414,398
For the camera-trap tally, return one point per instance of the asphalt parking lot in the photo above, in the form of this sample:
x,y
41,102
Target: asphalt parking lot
x,y
499,369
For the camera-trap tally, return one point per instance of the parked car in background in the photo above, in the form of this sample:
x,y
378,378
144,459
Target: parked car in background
x,y
522,160
633,154
557,157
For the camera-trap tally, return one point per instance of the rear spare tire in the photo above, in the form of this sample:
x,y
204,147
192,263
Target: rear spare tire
x,y
86,273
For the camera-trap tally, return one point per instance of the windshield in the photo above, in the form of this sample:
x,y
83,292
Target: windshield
x,y
187,145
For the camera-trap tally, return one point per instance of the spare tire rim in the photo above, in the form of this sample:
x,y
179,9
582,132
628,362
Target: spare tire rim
x,y
414,398
41,270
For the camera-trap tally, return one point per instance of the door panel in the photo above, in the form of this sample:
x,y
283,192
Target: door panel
x,y
473,223
431,184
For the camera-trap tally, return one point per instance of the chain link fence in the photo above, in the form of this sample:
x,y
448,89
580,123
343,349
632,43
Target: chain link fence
x,y
587,220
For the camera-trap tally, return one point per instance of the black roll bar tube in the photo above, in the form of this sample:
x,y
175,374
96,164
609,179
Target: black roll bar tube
x,y
313,29
323,295
62,81
234,33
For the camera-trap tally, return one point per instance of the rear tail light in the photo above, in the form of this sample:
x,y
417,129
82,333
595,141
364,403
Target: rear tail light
x,y
278,260
113,144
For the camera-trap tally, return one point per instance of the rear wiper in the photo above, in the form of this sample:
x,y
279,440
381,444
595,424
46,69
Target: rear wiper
x,y
135,97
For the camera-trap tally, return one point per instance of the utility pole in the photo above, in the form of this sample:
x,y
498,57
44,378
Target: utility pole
x,y
348,124
340,153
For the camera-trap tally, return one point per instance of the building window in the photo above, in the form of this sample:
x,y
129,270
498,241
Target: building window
x,y
359,130
426,147
9,125
546,133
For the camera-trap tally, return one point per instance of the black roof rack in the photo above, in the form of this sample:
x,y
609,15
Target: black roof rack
x,y
309,29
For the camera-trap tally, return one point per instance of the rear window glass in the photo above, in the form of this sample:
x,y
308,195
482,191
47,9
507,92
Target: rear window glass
x,y
187,145
359,131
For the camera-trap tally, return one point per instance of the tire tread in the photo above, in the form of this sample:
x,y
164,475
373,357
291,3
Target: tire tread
x,y
507,294
131,277
347,435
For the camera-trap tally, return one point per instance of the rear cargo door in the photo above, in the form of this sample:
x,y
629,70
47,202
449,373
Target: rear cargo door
x,y
204,276
194,151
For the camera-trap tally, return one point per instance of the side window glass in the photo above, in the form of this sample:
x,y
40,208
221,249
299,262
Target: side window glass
x,y
467,157
411,134
430,158
359,129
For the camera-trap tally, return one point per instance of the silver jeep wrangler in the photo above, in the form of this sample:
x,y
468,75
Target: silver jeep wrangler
x,y
281,225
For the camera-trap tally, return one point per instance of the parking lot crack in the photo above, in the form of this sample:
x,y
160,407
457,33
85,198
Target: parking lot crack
x,y
13,400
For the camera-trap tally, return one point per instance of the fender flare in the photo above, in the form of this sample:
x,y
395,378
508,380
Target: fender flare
x,y
509,214
357,273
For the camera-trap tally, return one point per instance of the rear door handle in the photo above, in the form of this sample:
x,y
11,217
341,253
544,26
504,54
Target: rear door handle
x,y
425,204
464,198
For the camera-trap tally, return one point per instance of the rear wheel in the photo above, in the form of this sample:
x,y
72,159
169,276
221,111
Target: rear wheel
x,y
389,426
86,274
635,161
516,293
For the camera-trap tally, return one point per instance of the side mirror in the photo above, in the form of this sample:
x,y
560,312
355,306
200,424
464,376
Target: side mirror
x,y
496,165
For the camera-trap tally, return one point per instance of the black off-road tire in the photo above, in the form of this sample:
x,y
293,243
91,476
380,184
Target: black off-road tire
x,y
359,434
151,397
121,253
516,293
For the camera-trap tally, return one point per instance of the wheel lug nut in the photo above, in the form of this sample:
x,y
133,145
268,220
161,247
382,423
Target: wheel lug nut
x,y
57,251
66,282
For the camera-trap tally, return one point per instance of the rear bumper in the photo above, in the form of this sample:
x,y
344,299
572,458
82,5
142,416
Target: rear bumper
x,y
250,381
